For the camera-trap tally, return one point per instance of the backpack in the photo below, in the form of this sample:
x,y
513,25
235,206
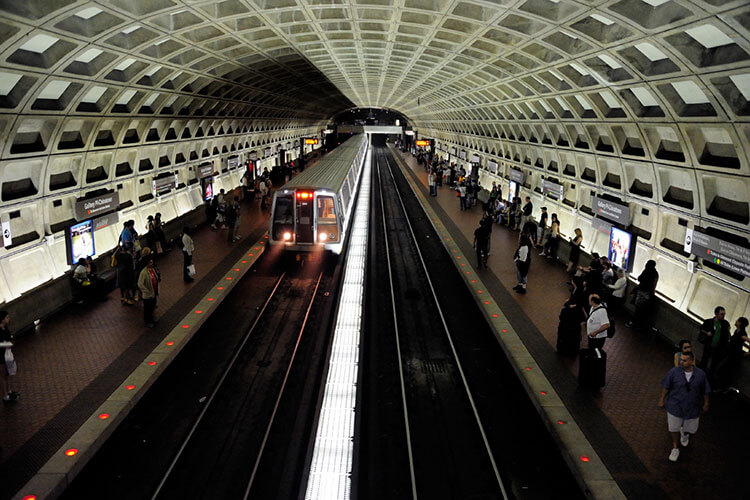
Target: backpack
x,y
611,330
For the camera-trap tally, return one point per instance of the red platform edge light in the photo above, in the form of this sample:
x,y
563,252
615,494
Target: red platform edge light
x,y
480,291
543,393
584,458
528,368
236,268
29,497
71,452
220,288
561,422
103,416
229,277
152,363
210,299
249,255
505,331
129,387
186,326
169,343
244,262
198,311
495,315
473,281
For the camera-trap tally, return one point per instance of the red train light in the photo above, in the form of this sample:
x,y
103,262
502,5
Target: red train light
x,y
304,195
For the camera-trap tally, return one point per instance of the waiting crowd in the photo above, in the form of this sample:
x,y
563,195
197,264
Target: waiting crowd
x,y
598,291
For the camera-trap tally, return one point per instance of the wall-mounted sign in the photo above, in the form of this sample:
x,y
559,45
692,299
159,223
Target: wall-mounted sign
x,y
93,207
408,132
252,155
601,225
327,131
106,220
552,189
453,151
474,158
311,141
266,152
233,162
492,166
7,235
516,175
613,211
204,170
425,143
727,255
462,155
158,186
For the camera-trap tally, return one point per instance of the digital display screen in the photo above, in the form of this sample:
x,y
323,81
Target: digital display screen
x,y
311,141
513,187
423,143
621,247
82,240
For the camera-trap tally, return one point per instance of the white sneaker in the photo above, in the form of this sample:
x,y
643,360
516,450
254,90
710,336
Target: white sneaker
x,y
674,455
684,439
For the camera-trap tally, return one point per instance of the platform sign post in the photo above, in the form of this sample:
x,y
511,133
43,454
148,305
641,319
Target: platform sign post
x,y
7,235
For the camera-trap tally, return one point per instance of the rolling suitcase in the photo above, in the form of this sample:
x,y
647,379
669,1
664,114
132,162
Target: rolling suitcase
x,y
592,368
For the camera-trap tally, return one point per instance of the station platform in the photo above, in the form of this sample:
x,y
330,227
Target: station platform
x,y
621,421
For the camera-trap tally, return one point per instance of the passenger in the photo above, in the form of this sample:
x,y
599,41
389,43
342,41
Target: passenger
x,y
161,238
10,366
82,286
431,183
683,346
543,229
461,189
188,247
522,259
126,236
125,275
684,393
219,202
482,244
575,250
550,247
569,328
617,291
150,235
148,284
726,371
528,207
597,322
136,240
529,227
264,191
233,220
643,297
714,335
608,274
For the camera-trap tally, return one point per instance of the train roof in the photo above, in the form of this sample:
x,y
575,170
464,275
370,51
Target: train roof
x,y
331,170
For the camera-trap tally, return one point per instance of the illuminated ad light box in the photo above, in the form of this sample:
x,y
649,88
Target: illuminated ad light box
x,y
311,142
512,190
621,248
423,143
80,241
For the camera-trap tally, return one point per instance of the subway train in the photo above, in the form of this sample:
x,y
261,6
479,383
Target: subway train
x,y
312,212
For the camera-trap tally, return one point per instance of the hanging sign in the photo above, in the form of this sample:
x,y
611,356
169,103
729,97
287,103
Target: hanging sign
x,y
492,166
474,158
233,162
311,141
425,143
204,170
516,175
722,253
553,189
612,211
463,155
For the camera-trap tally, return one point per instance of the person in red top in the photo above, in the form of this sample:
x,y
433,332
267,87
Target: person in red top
x,y
148,283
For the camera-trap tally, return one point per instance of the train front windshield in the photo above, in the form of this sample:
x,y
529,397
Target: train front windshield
x,y
283,218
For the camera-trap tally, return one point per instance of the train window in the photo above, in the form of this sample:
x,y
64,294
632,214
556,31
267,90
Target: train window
x,y
326,210
284,211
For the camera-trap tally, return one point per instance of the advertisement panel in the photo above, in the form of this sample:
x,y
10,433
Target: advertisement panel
x,y
81,240
621,248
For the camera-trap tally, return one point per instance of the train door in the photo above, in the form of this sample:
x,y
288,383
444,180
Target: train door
x,y
304,228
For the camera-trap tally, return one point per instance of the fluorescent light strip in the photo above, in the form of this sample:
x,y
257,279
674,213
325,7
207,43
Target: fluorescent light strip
x,y
331,466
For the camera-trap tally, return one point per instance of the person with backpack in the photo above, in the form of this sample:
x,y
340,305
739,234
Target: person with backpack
x,y
597,323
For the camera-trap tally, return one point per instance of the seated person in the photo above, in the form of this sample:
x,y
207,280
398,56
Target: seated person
x,y
86,284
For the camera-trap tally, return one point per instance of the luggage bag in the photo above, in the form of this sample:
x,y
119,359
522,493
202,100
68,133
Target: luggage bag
x,y
592,368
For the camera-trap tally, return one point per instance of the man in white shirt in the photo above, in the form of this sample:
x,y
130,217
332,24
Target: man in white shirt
x,y
597,322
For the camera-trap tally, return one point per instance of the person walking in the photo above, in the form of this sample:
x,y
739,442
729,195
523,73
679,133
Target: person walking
x,y
714,335
522,260
684,394
683,346
9,361
148,284
188,247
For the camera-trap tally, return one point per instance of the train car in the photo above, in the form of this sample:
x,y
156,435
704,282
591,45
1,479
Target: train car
x,y
312,212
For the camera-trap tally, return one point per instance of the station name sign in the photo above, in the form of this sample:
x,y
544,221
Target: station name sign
x,y
492,166
311,141
94,207
516,175
253,155
158,186
727,255
553,189
453,151
474,158
423,143
462,155
233,162
613,211
205,170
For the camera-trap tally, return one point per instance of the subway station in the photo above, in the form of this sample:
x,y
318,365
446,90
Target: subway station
x,y
333,249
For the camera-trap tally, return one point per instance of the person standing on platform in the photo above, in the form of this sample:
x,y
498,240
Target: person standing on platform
x,y
528,207
550,245
522,259
188,247
597,323
643,297
461,196
542,228
148,284
161,238
125,275
575,251
684,393
431,183
714,335
727,369
9,367
233,220
482,244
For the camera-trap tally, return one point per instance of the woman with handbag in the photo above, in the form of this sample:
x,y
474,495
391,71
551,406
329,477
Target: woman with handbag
x,y
9,364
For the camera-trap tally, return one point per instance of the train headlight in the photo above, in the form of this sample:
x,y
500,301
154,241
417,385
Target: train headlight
x,y
287,236
322,236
